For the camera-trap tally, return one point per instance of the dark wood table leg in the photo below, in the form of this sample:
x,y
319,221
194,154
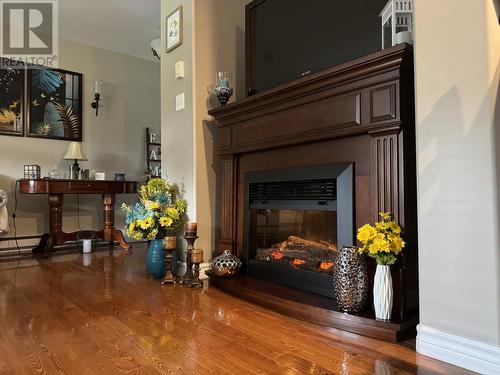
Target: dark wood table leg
x,y
50,239
118,237
43,244
110,233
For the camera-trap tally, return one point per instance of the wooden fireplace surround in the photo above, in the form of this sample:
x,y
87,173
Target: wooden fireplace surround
x,y
360,112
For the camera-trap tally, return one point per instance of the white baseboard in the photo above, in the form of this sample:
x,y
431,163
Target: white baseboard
x,y
26,244
22,242
469,354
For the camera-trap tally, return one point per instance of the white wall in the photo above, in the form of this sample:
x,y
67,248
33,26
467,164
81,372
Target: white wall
x,y
177,126
113,142
219,46
213,41
457,56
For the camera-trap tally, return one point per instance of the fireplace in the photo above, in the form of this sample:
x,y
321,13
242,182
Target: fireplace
x,y
304,165
296,218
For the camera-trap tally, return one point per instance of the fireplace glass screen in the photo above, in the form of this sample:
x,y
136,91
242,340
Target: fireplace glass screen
x,y
298,239
294,221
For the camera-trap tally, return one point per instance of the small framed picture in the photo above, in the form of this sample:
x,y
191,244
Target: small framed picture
x,y
174,29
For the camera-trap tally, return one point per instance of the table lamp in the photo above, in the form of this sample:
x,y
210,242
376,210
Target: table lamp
x,y
75,152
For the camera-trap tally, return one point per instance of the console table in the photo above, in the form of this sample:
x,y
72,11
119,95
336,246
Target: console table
x,y
55,189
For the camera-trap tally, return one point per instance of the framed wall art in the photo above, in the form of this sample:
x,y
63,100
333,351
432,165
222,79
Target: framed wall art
x,y
174,29
54,104
12,98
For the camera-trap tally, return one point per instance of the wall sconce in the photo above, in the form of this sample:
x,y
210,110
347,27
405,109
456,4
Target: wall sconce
x,y
97,97
156,48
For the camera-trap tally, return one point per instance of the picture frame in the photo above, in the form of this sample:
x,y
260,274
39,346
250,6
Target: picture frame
x,y
54,104
12,93
175,29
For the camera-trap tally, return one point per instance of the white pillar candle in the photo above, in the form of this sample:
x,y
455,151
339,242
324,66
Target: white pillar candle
x,y
87,246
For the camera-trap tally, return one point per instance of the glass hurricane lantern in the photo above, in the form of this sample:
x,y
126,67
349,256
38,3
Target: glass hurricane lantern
x,y
223,89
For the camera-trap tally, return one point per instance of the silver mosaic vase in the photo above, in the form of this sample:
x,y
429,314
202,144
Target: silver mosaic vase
x,y
350,280
226,264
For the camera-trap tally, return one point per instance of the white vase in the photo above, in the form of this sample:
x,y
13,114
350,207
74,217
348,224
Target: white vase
x,y
382,292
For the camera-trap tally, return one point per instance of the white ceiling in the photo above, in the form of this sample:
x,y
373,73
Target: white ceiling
x,y
125,26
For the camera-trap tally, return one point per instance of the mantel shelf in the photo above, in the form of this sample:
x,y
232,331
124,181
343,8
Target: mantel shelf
x,y
351,99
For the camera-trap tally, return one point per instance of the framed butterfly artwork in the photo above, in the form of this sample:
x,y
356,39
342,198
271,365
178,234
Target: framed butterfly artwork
x,y
12,98
54,104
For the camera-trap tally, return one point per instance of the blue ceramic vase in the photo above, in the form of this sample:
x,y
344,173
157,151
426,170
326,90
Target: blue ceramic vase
x,y
155,259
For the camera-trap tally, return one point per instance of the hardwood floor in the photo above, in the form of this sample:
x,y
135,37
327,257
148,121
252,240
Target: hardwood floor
x,y
100,314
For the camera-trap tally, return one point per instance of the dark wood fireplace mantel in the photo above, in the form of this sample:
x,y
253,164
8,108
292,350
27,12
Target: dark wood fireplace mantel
x,y
361,112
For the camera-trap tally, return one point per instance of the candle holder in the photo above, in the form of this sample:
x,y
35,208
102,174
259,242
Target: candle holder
x,y
196,259
187,277
170,246
223,89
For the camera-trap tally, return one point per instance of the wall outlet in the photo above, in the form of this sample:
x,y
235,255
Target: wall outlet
x,y
179,102
179,69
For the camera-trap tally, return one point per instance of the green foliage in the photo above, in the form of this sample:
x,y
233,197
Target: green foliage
x,y
47,80
387,259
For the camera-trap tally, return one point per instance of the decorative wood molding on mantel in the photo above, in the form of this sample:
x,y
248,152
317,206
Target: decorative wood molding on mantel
x,y
361,112
358,97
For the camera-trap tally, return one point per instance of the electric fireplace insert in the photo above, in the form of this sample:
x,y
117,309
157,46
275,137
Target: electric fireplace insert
x,y
296,219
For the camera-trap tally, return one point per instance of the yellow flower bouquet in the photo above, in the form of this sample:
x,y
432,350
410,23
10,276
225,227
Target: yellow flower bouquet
x,y
158,213
382,241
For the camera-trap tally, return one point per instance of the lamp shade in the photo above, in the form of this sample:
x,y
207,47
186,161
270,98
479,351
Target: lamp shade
x,y
98,87
75,152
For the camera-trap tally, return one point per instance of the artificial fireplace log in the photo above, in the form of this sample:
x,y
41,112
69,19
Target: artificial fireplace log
x,y
299,248
322,244
330,245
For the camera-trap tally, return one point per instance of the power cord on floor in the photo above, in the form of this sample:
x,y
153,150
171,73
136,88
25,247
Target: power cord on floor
x,y
78,212
78,218
14,218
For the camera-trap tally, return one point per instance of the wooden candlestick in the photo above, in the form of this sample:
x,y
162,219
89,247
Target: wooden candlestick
x,y
187,277
170,246
196,259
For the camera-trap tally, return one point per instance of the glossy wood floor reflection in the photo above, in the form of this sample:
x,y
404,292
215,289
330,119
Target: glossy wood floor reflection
x,y
100,314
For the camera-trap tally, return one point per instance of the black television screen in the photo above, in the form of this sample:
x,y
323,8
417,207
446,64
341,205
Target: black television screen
x,y
289,38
